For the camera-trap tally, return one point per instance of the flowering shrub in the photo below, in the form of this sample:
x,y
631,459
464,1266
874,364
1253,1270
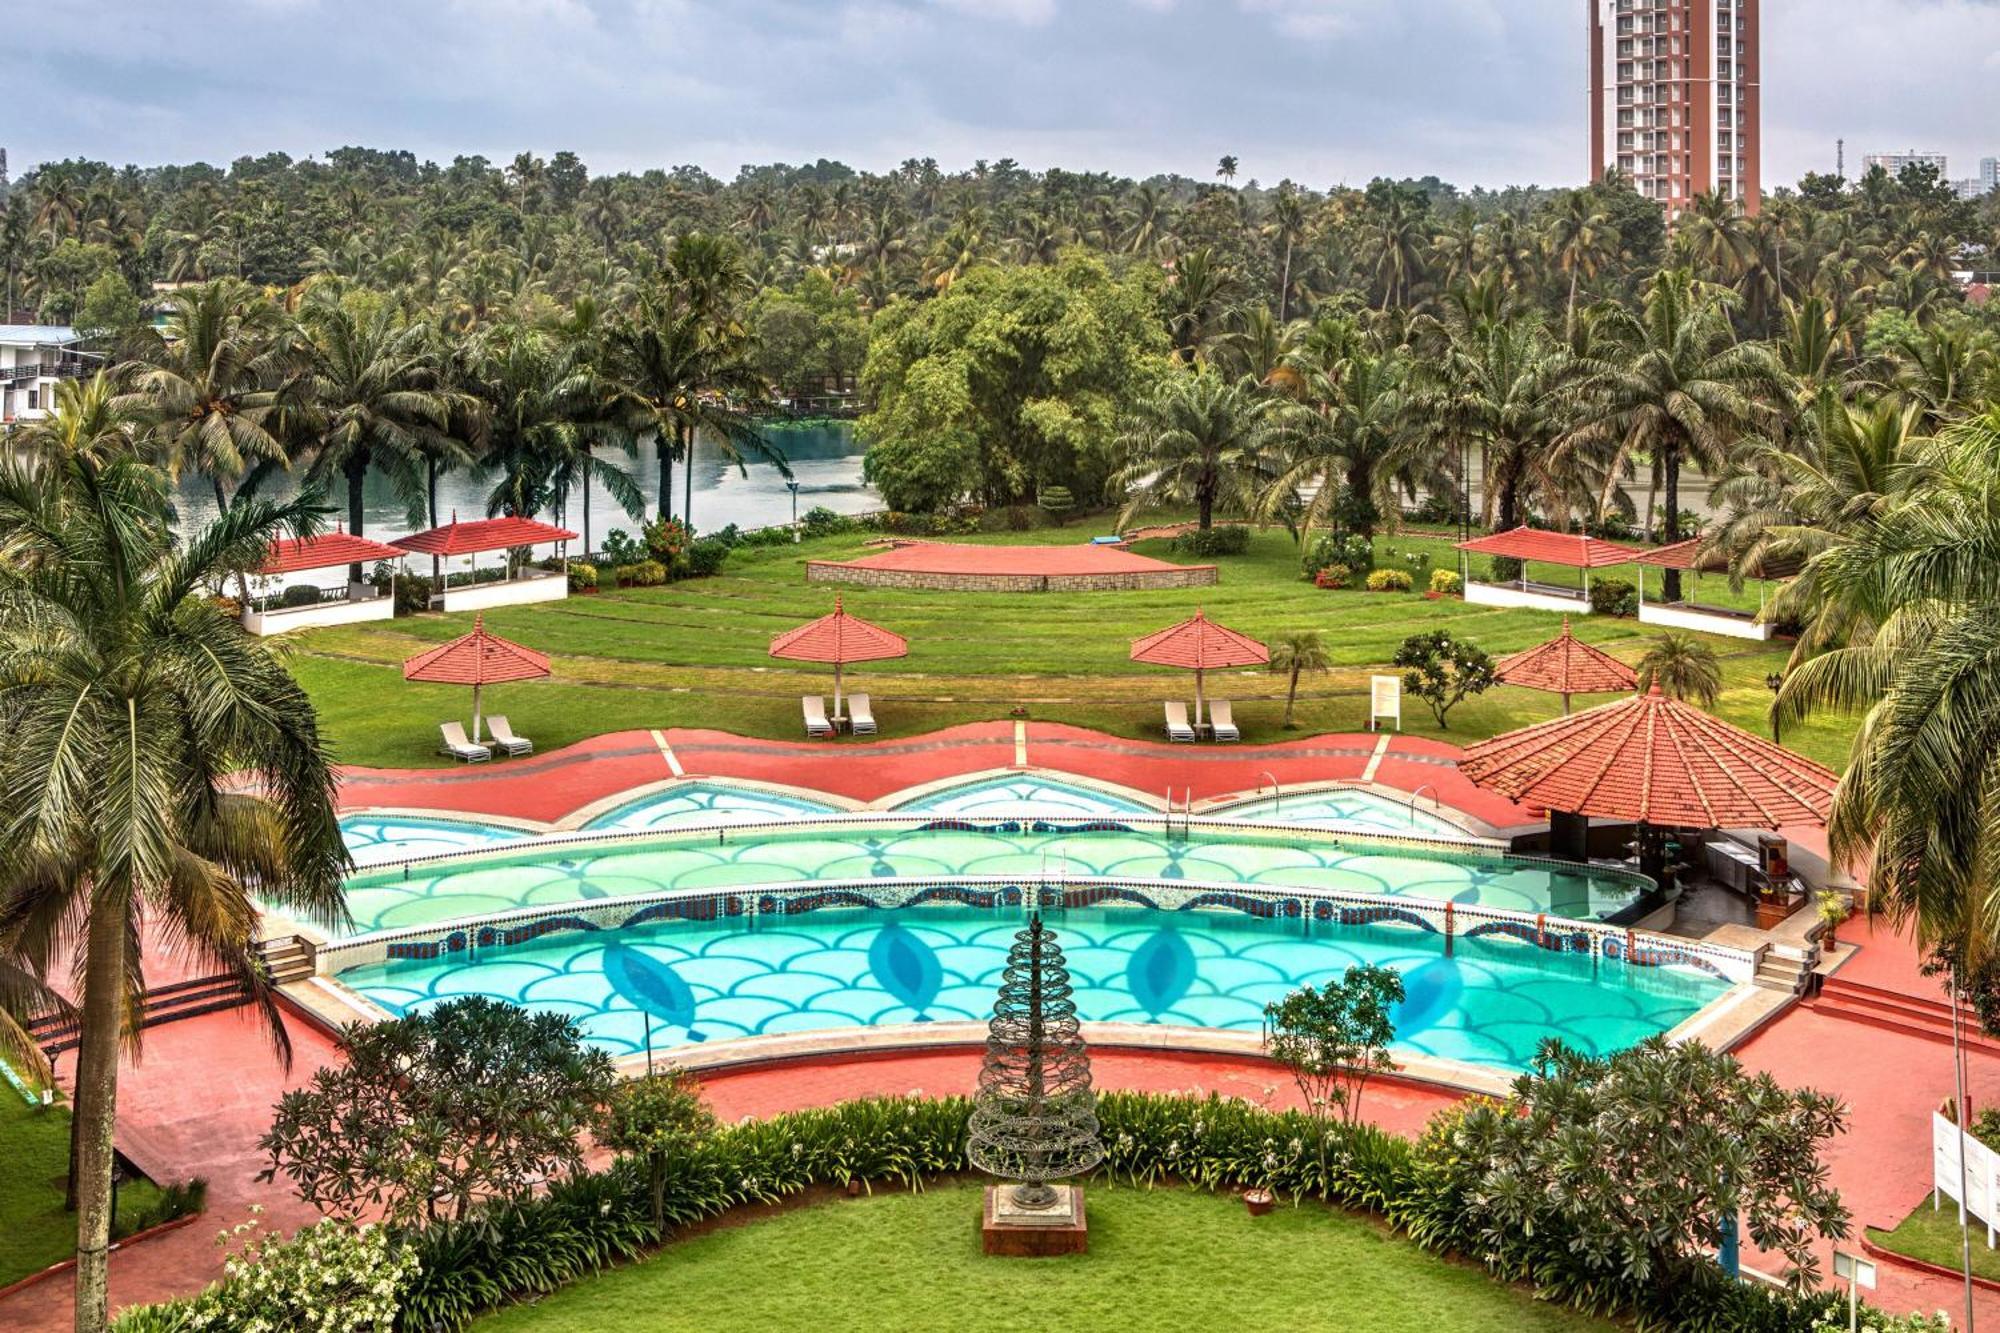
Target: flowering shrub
x,y
1876,1321
1389,580
1333,576
332,1277
1446,582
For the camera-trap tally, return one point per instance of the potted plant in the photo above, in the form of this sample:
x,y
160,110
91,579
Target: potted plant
x,y
1259,1200
1833,909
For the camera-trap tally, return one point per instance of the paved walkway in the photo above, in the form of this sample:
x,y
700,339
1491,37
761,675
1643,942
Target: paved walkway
x,y
552,786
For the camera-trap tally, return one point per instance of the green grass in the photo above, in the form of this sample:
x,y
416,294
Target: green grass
x,y
35,1231
695,654
1166,1259
1932,1236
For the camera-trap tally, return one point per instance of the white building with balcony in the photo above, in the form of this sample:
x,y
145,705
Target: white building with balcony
x,y
34,358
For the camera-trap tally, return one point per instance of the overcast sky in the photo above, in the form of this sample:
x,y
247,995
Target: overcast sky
x,y
1323,91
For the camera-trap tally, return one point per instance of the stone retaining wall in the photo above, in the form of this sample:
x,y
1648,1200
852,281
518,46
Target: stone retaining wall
x,y
1181,576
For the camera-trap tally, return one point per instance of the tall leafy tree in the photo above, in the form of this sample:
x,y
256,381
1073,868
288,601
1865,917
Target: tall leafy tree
x,y
135,707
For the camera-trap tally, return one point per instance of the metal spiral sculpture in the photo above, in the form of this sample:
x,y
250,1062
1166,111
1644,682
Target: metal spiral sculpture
x,y
1034,1118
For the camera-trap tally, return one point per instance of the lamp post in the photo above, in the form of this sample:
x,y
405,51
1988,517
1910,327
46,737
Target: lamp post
x,y
793,487
1775,682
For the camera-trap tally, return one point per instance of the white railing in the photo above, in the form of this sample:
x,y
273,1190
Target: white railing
x,y
1980,1174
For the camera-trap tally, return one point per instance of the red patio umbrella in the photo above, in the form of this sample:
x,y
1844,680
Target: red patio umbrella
x,y
477,659
1199,645
1565,665
839,638
1652,759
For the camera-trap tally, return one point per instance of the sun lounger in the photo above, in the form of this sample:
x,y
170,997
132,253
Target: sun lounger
x,y
458,747
1177,723
815,712
862,715
1224,725
504,737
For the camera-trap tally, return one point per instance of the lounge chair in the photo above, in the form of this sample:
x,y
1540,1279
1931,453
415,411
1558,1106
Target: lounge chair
x,y
815,710
504,737
1221,724
458,747
1177,723
861,715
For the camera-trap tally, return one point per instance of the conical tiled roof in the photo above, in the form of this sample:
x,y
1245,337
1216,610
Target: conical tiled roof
x,y
1199,644
477,658
839,638
1566,665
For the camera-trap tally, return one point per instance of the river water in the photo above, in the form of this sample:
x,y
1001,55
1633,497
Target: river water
x,y
825,461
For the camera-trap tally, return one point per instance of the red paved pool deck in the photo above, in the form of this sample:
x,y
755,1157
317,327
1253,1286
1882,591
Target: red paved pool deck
x,y
202,1092
552,786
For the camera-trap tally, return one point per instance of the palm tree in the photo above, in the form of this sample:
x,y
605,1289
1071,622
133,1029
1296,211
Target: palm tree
x,y
1287,228
1682,666
135,708
1582,240
1397,233
1349,437
1225,169
1293,654
213,385
1496,383
373,399
1199,301
1199,440
1684,393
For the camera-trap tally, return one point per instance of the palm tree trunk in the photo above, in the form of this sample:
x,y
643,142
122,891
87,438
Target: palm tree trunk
x,y
357,477
586,499
1670,469
1285,285
97,1110
687,479
663,450
1569,318
431,488
1291,695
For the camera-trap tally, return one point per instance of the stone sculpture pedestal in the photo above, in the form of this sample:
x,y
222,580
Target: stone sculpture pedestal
x,y
1033,1233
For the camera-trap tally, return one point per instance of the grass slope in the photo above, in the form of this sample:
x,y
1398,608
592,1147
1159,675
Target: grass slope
x,y
1166,1259
695,654
34,1154
1932,1235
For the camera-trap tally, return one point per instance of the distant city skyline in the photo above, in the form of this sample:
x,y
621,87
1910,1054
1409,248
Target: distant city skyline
x,y
1478,92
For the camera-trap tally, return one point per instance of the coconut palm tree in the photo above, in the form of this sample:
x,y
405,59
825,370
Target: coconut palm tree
x,y
373,399
1286,230
1582,239
1684,391
1200,299
135,708
1682,666
1294,654
1199,440
213,384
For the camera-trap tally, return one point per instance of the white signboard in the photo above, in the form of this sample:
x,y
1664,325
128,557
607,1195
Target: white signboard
x,y
1981,1174
1859,1271
1385,701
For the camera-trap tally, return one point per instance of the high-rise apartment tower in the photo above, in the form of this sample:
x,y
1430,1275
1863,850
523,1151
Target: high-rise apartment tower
x,y
1674,93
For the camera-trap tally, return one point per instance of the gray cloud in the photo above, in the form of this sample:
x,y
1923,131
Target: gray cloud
x,y
1323,91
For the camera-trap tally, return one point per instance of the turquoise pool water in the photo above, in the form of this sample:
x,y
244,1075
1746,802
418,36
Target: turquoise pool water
x,y
1490,1003
707,803
552,875
376,839
1361,811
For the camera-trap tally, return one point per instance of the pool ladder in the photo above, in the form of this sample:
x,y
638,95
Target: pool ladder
x,y
1186,812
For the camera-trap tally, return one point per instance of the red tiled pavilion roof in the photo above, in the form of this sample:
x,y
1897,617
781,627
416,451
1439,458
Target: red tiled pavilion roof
x,y
289,555
1566,665
1655,760
483,534
839,638
1552,548
477,658
1199,644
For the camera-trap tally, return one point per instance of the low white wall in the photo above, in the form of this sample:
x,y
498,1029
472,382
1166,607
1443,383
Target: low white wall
x,y
1501,594
1708,622
544,587
350,612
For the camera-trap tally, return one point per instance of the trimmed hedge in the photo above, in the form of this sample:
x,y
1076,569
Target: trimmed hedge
x,y
1230,539
1424,1189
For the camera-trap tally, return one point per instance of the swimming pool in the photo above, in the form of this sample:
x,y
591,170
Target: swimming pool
x,y
1022,798
378,839
1490,1001
873,848
707,803
1343,808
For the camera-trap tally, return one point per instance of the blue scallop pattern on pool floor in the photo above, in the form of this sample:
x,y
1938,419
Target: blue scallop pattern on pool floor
x,y
380,839
1022,798
707,803
1362,811
1491,1003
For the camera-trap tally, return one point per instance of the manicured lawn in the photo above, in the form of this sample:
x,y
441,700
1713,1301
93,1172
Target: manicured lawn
x,y
1933,1237
694,654
34,1154
1164,1259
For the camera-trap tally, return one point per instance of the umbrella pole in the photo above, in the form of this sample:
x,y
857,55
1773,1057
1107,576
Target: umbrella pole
x,y
475,714
836,695
1197,700
1565,705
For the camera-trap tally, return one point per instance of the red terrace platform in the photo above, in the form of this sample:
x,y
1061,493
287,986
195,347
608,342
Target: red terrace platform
x,y
947,566
550,787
